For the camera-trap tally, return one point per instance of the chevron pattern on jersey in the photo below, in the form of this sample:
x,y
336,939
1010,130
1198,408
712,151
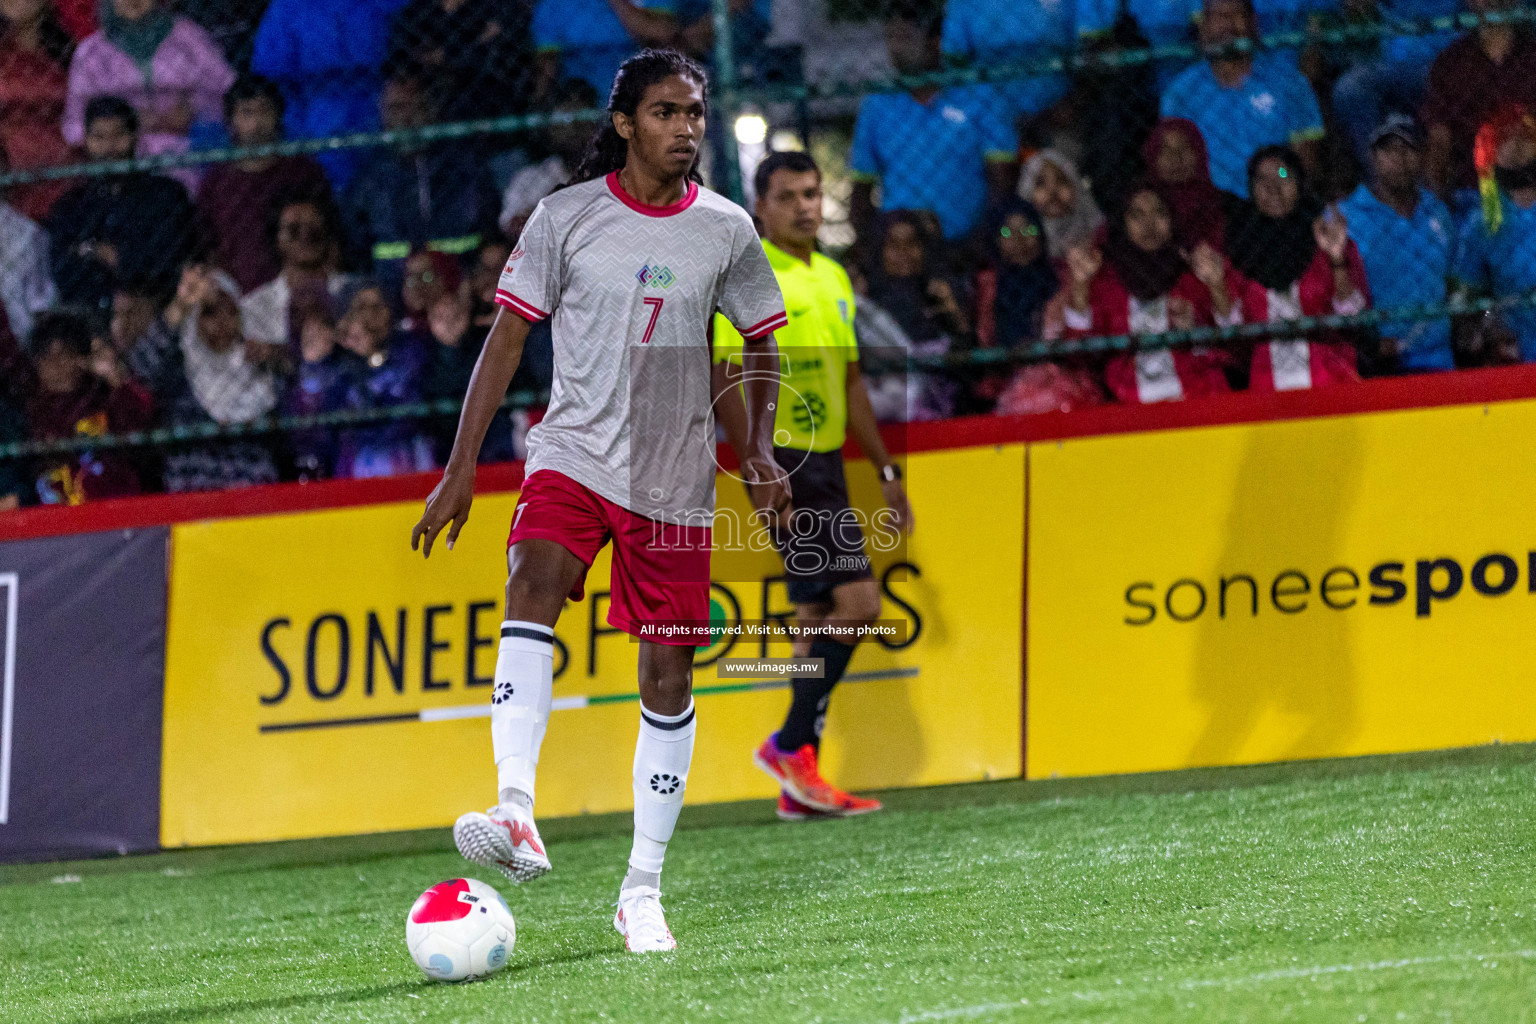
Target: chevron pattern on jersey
x,y
630,418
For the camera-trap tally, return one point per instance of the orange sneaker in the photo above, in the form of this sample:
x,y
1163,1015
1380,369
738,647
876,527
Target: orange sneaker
x,y
790,809
850,806
800,779
797,774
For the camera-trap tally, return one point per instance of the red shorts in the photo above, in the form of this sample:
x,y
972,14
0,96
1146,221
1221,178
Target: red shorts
x,y
660,588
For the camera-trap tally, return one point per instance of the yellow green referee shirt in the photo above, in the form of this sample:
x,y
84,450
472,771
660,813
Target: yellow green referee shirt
x,y
814,351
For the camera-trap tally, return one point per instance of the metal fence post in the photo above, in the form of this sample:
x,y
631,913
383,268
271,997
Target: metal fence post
x,y
726,84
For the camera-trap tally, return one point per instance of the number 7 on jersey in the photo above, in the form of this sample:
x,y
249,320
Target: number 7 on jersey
x,y
655,304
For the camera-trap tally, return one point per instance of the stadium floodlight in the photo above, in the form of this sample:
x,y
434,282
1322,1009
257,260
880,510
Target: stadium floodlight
x,y
751,129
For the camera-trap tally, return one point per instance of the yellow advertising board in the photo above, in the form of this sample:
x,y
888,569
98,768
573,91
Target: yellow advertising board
x,y
321,679
1314,588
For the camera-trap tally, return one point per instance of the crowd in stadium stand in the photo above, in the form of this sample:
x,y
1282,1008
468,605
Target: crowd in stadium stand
x,y
1255,186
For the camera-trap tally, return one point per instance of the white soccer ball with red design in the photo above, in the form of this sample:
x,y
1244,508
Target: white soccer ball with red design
x,y
460,930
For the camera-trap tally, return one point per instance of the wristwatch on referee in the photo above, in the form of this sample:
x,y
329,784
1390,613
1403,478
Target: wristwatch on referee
x,y
889,473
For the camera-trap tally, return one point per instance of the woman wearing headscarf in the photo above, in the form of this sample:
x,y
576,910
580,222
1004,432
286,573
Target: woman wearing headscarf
x,y
1017,284
1179,164
169,68
1141,284
227,383
905,283
1051,183
1015,306
1292,261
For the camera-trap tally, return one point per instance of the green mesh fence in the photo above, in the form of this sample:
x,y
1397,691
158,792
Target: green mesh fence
x,y
356,172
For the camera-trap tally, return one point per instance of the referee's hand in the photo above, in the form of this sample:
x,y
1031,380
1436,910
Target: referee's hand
x,y
768,487
896,500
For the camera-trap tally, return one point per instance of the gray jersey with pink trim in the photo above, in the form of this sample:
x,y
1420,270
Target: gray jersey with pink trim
x,y
632,289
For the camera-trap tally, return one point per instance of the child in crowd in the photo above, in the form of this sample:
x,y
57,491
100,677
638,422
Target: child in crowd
x,y
78,397
393,372
429,275
324,378
228,381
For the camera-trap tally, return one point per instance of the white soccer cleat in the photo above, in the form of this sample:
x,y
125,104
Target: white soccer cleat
x,y
641,921
504,838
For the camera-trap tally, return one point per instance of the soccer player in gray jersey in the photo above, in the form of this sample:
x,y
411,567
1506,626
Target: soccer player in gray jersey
x,y
631,260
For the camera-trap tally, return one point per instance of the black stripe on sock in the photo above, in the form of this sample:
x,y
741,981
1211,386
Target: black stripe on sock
x,y
524,633
667,726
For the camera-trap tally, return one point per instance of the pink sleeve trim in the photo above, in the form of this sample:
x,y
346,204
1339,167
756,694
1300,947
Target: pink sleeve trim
x,y
526,310
766,327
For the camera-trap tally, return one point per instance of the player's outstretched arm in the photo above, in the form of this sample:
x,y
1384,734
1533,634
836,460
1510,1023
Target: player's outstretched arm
x,y
862,425
448,504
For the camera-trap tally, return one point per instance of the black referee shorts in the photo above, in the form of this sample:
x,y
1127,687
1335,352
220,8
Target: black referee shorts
x,y
823,543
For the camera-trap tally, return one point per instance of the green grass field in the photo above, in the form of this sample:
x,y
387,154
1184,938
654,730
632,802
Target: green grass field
x,y
1381,889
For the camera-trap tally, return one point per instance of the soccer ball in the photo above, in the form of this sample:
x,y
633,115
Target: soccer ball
x,y
460,930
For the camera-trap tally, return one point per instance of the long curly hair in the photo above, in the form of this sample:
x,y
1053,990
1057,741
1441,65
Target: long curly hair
x,y
609,150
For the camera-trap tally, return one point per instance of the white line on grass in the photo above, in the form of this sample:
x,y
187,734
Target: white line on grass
x,y
1260,978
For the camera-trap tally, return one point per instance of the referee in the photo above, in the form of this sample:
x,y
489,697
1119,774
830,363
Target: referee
x,y
821,400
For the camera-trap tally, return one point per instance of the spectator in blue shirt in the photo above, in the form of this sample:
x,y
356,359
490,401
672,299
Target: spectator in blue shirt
x,y
1496,249
326,55
1406,238
941,150
1243,102
1173,23
1012,32
589,39
1394,72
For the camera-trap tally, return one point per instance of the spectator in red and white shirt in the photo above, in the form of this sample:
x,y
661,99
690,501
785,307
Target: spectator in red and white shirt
x,y
1141,284
1292,263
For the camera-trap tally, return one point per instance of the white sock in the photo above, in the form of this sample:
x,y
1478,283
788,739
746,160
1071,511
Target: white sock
x,y
663,753
520,706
